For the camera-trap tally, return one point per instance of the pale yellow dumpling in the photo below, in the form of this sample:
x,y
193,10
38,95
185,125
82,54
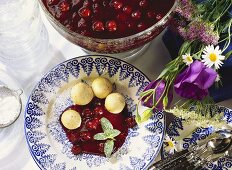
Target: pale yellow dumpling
x,y
81,93
115,103
71,119
102,87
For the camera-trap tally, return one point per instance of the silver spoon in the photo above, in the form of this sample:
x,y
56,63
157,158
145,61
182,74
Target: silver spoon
x,y
216,147
10,105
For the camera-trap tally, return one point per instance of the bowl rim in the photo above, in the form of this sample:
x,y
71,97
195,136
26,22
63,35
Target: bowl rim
x,y
75,34
159,148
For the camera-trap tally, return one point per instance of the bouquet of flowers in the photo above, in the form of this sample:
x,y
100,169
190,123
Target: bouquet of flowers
x,y
205,25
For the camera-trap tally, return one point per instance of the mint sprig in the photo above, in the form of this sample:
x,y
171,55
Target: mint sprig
x,y
108,133
108,147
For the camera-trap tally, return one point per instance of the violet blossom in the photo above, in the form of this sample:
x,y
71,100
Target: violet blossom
x,y
194,81
159,87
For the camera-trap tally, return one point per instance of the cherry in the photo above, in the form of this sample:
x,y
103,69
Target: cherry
x,y
85,136
84,12
96,7
76,2
76,149
111,25
87,113
159,16
127,9
70,27
52,2
101,147
98,26
92,124
75,19
130,122
141,26
122,17
136,15
64,6
73,137
96,1
99,110
116,4
87,3
143,3
131,25
63,17
82,23
151,14
105,3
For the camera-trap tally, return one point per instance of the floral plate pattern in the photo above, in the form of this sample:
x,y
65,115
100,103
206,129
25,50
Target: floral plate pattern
x,y
188,136
47,141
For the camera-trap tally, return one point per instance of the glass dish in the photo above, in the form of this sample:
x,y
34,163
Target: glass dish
x,y
111,46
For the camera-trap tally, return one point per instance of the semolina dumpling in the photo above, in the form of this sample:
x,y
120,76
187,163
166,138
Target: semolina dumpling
x,y
115,103
71,119
102,87
81,94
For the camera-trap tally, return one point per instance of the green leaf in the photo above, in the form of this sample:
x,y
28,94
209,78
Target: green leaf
x,y
108,148
100,136
106,125
228,54
145,115
146,93
111,133
165,71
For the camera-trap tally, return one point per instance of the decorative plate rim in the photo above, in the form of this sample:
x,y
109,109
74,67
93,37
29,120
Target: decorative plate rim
x,y
160,145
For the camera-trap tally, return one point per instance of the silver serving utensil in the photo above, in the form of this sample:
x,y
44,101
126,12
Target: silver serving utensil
x,y
216,148
197,156
7,93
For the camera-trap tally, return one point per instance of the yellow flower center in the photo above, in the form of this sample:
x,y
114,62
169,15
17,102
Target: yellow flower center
x,y
213,57
189,58
170,144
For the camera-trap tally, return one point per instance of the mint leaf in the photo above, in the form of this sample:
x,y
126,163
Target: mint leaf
x,y
108,148
100,136
111,133
106,125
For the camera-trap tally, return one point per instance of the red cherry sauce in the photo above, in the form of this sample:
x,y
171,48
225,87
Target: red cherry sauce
x,y
82,137
108,18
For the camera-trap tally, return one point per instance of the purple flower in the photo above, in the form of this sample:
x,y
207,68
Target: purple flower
x,y
159,87
194,81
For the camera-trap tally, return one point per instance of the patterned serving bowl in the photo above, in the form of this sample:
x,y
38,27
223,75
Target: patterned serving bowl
x,y
47,141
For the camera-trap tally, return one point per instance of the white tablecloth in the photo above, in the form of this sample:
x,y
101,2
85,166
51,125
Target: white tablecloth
x,y
151,63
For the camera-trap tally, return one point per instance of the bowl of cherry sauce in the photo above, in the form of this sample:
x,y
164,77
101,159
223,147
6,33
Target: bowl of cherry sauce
x,y
109,26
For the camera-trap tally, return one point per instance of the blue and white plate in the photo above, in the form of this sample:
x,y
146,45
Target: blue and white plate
x,y
47,141
184,135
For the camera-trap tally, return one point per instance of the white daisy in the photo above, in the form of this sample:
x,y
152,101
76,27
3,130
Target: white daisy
x,y
170,144
187,59
212,56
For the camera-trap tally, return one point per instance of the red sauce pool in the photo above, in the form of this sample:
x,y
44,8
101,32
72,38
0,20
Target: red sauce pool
x,y
82,137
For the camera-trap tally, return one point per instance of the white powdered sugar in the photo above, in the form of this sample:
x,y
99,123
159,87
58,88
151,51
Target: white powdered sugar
x,y
9,109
